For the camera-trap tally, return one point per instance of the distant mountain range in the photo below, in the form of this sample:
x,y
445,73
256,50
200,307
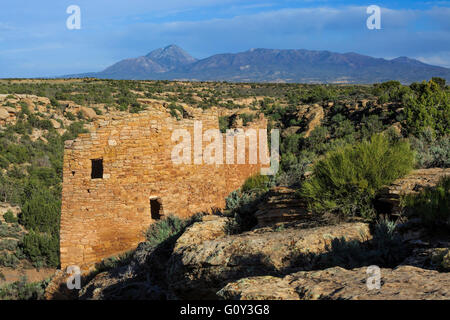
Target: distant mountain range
x,y
269,65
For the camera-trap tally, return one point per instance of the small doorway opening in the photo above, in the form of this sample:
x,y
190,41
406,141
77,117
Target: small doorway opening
x,y
156,208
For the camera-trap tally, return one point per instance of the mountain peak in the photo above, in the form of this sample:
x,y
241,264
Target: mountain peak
x,y
173,47
273,65
171,57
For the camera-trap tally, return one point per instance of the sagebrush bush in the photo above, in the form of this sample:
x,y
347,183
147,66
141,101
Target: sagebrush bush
x,y
293,167
113,262
241,207
23,290
233,200
8,260
346,180
432,205
10,231
166,228
431,151
8,244
385,249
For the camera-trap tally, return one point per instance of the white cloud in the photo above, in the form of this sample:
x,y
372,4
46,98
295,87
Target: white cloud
x,y
439,59
115,30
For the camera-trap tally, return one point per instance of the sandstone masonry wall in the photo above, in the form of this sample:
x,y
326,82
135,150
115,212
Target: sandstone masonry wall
x,y
104,217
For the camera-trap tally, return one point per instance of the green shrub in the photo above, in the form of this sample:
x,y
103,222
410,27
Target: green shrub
x,y
344,128
432,205
241,208
9,217
441,259
233,200
41,209
431,151
22,290
291,144
390,91
70,116
9,244
177,111
224,123
35,122
24,108
10,231
347,179
439,81
41,248
113,262
98,111
4,163
247,118
136,107
385,249
317,137
293,167
255,182
54,102
17,153
429,107
371,126
8,260
74,130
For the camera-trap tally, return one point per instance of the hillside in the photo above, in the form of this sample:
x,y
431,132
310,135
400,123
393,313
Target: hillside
x,y
270,65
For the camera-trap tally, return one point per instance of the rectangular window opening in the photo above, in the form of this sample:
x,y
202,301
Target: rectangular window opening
x,y
97,169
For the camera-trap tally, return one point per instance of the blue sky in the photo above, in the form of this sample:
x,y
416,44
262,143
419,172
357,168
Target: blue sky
x,y
34,40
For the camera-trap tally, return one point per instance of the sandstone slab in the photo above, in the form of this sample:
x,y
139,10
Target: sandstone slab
x,y
199,270
401,283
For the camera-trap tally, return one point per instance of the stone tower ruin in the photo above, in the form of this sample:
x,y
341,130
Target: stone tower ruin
x,y
119,178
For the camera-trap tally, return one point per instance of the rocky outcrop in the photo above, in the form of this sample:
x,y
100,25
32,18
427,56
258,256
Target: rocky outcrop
x,y
290,131
145,276
312,115
88,113
7,115
211,227
289,262
390,197
57,288
55,124
4,115
404,282
199,270
282,205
